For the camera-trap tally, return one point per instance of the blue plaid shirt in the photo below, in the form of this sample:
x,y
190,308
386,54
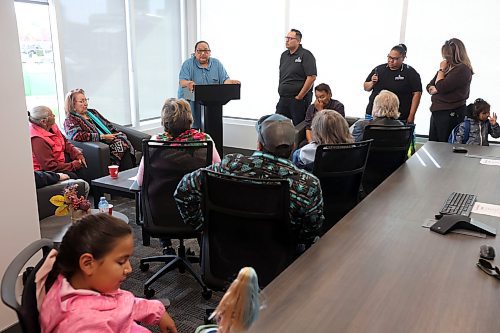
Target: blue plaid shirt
x,y
306,201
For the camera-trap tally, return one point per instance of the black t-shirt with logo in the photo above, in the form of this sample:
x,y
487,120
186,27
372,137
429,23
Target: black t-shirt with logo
x,y
294,69
403,82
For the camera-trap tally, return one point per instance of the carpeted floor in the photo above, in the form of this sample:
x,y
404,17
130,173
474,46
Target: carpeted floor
x,y
187,306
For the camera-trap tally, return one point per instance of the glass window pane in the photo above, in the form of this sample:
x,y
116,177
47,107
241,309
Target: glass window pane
x,y
158,55
248,40
347,42
36,54
476,24
94,47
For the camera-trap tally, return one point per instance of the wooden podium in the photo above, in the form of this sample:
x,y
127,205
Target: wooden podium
x,y
212,97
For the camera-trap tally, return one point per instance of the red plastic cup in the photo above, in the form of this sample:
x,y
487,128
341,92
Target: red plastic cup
x,y
110,209
113,171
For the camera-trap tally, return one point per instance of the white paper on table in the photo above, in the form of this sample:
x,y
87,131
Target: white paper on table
x,y
486,209
133,178
487,161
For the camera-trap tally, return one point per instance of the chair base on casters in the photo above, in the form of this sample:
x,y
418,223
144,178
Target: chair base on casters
x,y
181,261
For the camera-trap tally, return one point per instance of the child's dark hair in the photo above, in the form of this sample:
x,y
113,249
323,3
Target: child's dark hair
x,y
95,234
476,108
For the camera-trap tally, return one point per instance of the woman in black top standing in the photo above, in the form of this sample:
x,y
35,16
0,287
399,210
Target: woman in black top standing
x,y
399,78
450,89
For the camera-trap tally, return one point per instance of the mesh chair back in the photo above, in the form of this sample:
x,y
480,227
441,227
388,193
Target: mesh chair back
x,y
165,163
340,169
246,223
388,151
26,311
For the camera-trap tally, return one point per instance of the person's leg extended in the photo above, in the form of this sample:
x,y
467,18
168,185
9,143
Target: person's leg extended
x,y
284,107
298,111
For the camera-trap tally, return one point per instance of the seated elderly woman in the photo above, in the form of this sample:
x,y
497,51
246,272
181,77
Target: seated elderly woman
x,y
177,119
385,112
83,124
49,146
328,127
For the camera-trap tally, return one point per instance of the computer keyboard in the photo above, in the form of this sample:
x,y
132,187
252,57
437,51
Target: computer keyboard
x,y
459,203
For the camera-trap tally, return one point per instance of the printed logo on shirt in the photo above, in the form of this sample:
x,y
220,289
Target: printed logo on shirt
x,y
298,59
399,77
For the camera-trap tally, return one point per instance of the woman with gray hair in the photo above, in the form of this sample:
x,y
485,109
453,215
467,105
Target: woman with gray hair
x,y
177,119
328,127
385,112
49,146
88,125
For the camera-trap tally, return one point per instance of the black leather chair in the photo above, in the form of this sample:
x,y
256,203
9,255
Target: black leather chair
x,y
26,311
340,169
388,151
246,223
300,130
300,133
165,163
97,153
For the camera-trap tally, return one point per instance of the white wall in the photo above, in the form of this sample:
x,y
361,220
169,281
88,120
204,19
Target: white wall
x,y
19,218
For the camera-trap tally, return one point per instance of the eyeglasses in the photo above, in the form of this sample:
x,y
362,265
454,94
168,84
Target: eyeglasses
x,y
203,51
393,58
85,100
290,38
488,268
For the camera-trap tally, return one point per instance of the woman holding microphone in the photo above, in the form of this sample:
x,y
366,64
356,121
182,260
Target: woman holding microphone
x,y
401,79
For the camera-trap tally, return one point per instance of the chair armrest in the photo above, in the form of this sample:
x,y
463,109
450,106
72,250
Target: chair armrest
x,y
97,157
135,137
351,120
43,195
300,133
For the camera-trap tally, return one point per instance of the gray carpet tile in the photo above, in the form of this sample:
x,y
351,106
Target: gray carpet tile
x,y
187,306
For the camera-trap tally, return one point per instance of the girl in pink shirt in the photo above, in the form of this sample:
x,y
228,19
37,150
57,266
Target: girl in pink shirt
x,y
92,262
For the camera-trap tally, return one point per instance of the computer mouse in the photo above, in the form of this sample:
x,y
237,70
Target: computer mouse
x,y
487,252
460,150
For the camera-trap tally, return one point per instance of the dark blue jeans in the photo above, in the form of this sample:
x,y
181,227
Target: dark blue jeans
x,y
294,109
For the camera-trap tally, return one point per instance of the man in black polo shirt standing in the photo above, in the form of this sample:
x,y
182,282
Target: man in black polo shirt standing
x,y
297,75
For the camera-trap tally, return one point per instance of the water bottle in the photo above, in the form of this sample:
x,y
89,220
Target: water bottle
x,y
103,205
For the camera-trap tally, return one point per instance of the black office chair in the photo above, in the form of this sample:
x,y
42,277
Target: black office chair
x,y
388,151
340,169
26,311
246,223
98,157
165,163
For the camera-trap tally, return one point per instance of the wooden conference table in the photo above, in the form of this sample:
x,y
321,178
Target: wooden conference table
x,y
379,270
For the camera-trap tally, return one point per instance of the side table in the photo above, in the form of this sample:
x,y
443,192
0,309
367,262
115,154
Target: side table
x,y
55,227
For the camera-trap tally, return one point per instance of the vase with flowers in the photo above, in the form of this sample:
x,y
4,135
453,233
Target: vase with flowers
x,y
70,203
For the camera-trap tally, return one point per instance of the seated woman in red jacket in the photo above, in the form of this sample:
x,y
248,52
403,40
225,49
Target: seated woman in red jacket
x,y
85,125
49,146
